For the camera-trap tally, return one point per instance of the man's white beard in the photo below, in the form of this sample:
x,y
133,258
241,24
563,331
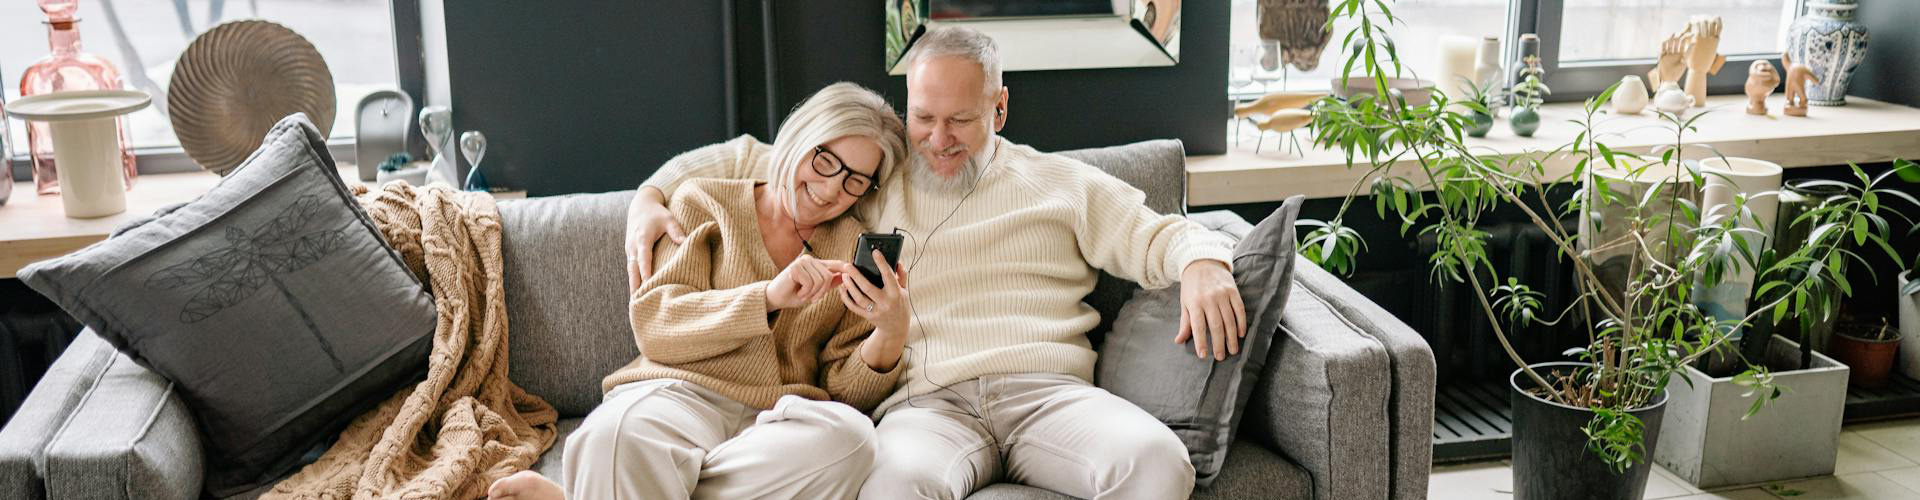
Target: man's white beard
x,y
925,179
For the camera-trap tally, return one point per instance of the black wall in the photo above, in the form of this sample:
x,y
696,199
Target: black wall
x,y
1892,70
593,96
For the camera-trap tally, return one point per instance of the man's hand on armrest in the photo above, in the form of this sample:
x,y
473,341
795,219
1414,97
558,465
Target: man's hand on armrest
x,y
1211,313
647,220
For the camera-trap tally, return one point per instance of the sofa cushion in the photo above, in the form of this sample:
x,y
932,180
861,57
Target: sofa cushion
x,y
272,303
1202,400
1158,169
566,295
1251,473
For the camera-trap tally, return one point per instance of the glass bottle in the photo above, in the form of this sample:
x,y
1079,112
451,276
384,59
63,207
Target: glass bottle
x,y
66,69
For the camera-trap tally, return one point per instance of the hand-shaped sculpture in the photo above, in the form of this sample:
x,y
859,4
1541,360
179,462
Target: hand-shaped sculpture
x,y
1670,67
1797,77
1703,55
1761,79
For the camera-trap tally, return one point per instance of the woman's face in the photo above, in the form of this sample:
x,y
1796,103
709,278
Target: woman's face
x,y
827,179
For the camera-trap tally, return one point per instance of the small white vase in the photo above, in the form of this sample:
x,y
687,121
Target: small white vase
x,y
1671,99
1630,97
1758,182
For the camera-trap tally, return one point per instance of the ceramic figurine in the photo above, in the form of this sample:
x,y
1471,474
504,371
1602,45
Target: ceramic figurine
x,y
1831,44
1703,55
1797,77
1671,99
1761,79
1670,66
1630,97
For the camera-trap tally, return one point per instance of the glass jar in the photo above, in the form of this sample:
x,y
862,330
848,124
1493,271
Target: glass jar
x,y
66,68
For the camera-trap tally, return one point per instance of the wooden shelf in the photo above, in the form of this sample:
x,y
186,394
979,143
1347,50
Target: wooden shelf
x,y
35,228
1863,131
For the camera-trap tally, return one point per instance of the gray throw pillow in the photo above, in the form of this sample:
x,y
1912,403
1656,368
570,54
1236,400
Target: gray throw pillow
x,y
271,302
1203,400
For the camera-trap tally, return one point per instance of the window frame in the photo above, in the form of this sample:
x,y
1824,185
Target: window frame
x,y
1580,80
409,56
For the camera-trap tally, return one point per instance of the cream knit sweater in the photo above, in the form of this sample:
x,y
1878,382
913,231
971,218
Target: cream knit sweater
x,y
998,287
702,317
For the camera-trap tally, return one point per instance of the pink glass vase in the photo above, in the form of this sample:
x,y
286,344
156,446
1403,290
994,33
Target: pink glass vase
x,y
66,69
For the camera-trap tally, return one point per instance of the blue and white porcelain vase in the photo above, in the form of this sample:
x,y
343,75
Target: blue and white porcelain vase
x,y
1830,42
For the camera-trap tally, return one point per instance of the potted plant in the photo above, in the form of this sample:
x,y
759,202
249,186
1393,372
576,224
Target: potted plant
x,y
1479,106
1868,349
1584,428
1529,94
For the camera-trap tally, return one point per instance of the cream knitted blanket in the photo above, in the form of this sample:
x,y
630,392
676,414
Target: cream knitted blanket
x,y
466,425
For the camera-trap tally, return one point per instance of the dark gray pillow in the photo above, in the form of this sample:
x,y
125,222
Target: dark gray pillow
x,y
1202,400
271,302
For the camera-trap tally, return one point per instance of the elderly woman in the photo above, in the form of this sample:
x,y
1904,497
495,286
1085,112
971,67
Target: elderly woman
x,y
752,382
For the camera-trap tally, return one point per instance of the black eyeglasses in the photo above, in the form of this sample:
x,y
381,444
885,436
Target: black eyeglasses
x,y
828,165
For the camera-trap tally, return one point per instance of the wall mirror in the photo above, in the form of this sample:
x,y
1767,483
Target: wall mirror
x,y
1047,34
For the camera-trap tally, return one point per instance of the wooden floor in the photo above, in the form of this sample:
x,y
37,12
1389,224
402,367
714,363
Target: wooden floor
x,y
1473,421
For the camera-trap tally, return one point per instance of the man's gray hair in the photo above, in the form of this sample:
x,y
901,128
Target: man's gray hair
x,y
948,40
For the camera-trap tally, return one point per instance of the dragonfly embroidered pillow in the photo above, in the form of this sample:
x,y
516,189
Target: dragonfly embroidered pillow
x,y
271,302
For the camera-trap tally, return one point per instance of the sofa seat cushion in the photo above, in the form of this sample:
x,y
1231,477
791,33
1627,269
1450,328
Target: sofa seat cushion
x,y
1251,472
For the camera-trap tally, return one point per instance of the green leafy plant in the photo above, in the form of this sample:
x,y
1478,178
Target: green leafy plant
x,y
1642,324
1531,92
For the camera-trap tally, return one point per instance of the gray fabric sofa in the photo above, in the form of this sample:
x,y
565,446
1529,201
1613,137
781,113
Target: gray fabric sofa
x,y
1344,410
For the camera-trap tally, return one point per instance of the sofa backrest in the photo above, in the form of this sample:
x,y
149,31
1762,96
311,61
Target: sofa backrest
x,y
566,277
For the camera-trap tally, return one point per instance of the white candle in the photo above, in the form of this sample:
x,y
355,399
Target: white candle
x,y
1455,65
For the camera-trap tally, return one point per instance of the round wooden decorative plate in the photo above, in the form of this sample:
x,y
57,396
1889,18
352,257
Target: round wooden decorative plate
x,y
238,79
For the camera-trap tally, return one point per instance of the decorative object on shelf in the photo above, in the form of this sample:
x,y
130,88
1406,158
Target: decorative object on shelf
x,y
1743,191
83,127
1829,41
1868,349
1416,93
1630,97
436,124
473,146
1761,80
1907,300
1301,28
1797,77
67,68
1479,110
234,82
1703,55
1454,66
1277,112
1486,66
380,129
1529,47
1528,95
1670,65
1671,100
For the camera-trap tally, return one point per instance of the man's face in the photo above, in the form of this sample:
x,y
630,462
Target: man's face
x,y
950,117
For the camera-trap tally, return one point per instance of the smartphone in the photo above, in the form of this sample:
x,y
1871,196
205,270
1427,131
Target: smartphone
x,y
888,244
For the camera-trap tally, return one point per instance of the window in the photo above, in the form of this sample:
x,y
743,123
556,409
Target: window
x,y
1633,29
1585,45
1420,20
354,36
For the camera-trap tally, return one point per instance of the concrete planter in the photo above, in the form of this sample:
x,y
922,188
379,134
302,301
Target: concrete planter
x,y
1704,441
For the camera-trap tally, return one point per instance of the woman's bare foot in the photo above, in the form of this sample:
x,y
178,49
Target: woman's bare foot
x,y
525,485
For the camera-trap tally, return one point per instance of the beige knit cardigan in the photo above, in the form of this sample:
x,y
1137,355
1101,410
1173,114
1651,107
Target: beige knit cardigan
x,y
466,425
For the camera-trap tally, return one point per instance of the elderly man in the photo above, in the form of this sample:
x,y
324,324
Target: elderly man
x,y
998,365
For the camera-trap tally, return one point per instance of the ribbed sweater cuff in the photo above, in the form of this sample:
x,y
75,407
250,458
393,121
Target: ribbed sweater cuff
x,y
865,386
1200,245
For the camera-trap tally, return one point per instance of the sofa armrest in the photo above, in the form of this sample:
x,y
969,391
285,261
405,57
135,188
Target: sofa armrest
x,y
1410,407
1322,401
100,426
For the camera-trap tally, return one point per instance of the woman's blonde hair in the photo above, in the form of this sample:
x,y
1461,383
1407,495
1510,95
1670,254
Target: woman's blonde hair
x,y
842,109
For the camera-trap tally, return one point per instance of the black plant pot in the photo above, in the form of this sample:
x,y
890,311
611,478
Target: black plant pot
x,y
1550,456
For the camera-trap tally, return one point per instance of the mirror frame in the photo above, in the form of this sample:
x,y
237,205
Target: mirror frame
x,y
1054,42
